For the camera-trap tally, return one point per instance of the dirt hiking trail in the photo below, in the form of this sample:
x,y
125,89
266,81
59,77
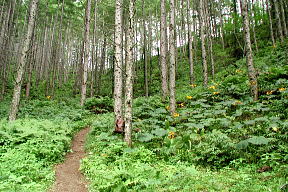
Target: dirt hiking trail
x,y
68,175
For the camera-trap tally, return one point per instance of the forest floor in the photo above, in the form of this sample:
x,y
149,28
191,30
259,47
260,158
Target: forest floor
x,y
68,176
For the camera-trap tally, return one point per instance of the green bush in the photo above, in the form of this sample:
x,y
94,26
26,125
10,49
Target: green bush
x,y
99,105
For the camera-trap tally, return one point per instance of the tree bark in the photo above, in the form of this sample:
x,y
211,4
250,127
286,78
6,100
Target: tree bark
x,y
102,64
172,58
118,68
279,25
163,51
190,45
129,75
94,52
146,86
270,23
283,18
85,55
249,53
22,62
203,47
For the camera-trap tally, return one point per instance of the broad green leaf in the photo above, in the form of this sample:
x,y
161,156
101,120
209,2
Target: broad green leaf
x,y
258,140
242,144
159,132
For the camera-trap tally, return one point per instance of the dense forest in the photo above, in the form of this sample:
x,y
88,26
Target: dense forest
x,y
163,95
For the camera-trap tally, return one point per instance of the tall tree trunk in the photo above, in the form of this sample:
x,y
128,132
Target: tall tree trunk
x,y
279,25
163,51
253,23
85,55
119,122
146,86
221,25
270,23
22,62
210,41
94,52
190,45
129,75
203,47
283,17
172,51
29,70
7,30
102,64
249,53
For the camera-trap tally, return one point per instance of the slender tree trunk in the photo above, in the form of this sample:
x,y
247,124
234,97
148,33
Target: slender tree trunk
x,y
102,64
210,41
172,58
279,25
190,45
22,62
253,23
283,17
203,47
163,51
94,52
7,30
146,86
221,26
29,75
249,53
85,55
119,122
150,47
270,23
129,75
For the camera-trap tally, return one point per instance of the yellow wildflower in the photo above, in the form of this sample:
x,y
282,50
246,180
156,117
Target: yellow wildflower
x,y
176,114
275,129
282,89
238,71
212,87
269,92
181,105
215,93
193,85
48,97
252,82
237,103
167,107
171,135
189,97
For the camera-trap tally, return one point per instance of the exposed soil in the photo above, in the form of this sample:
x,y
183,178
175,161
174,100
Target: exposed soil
x,y
68,175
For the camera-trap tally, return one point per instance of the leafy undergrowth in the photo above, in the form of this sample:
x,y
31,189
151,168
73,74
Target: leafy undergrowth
x,y
219,139
31,145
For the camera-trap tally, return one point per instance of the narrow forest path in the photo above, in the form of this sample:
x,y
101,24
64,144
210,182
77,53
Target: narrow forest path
x,y
68,175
